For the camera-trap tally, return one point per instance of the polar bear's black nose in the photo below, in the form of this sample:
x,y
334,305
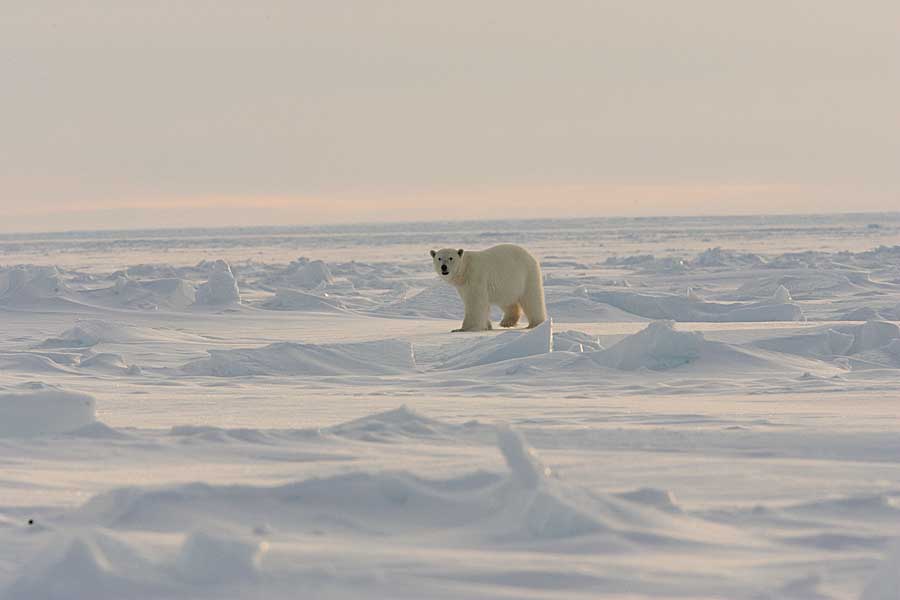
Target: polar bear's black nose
x,y
444,269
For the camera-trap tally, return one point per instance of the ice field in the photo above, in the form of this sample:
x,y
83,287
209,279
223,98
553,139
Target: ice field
x,y
714,412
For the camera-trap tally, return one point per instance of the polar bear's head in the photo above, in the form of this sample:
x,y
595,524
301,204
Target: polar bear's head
x,y
446,262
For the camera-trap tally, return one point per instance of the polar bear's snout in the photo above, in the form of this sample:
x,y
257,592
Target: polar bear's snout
x,y
444,270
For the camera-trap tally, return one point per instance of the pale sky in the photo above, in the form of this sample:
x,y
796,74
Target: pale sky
x,y
149,113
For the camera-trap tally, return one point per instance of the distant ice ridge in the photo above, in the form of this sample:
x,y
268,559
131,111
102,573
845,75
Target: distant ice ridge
x,y
37,408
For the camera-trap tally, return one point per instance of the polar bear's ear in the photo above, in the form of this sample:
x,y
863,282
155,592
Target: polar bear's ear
x,y
433,253
460,251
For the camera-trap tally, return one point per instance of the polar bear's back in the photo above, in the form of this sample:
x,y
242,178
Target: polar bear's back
x,y
506,269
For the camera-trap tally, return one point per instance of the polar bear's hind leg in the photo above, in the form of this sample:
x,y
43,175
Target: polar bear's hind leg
x,y
511,315
533,303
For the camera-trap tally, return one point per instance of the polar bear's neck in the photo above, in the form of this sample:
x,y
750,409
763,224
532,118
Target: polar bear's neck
x,y
459,278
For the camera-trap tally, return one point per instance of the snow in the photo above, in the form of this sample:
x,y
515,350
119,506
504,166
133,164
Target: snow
x,y
712,412
220,288
36,408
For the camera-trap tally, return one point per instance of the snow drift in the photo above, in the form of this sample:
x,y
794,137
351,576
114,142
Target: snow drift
x,y
382,357
37,408
221,288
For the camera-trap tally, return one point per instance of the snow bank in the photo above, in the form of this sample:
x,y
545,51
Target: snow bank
x,y
29,285
885,583
151,294
437,301
382,357
820,344
586,310
303,273
526,504
505,346
287,299
388,426
79,567
37,408
657,347
221,288
91,332
872,335
575,341
213,558
692,309
108,362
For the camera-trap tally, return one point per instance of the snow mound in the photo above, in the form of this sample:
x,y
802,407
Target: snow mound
x,y
303,273
66,567
212,558
524,466
526,504
872,335
29,285
657,347
382,357
109,362
585,310
30,362
91,332
287,299
505,346
437,301
37,408
660,347
389,426
152,294
863,313
692,309
885,583
575,341
821,344
221,288
874,341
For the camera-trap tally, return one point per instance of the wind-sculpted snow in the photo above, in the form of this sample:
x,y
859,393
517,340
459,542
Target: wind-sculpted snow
x,y
287,299
657,347
383,357
505,346
90,332
873,342
184,444
31,286
221,288
143,294
689,309
302,273
36,408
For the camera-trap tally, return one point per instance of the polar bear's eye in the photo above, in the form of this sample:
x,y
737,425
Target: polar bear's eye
x,y
451,259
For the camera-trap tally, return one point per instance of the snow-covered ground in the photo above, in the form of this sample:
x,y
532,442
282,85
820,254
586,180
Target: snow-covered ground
x,y
283,413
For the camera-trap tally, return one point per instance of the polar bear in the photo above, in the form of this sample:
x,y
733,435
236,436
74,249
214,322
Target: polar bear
x,y
506,275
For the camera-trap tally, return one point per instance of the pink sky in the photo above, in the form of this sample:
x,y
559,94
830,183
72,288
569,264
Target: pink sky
x,y
151,115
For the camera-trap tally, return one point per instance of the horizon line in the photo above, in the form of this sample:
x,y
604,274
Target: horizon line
x,y
355,224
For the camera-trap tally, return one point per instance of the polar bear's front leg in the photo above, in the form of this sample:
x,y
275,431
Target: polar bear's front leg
x,y
478,311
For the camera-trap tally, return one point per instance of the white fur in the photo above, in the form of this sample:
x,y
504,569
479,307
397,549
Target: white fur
x,y
506,275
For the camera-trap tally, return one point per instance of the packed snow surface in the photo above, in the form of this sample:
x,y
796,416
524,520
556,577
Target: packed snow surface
x,y
713,412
